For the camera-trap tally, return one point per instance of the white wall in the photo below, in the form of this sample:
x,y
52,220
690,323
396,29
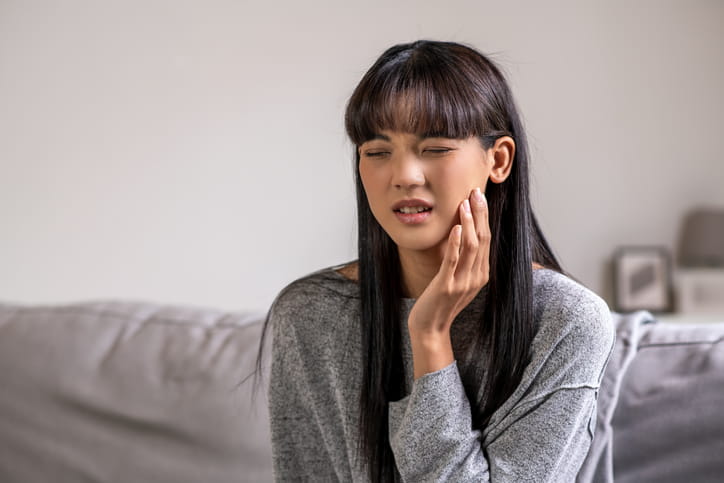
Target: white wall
x,y
194,152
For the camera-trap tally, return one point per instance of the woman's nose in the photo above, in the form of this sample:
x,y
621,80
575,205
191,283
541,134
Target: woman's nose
x,y
407,172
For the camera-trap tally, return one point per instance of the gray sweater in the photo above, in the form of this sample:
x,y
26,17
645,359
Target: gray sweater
x,y
541,433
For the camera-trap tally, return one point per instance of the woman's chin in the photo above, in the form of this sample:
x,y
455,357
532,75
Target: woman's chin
x,y
420,244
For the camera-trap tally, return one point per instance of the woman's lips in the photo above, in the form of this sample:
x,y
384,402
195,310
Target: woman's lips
x,y
412,211
413,218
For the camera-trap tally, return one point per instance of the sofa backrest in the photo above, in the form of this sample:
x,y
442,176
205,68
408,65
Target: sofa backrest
x,y
130,391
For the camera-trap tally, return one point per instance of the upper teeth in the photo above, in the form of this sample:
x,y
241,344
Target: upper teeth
x,y
413,209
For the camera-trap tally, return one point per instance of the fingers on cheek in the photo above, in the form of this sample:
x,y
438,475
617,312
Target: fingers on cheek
x,y
466,216
484,237
471,242
482,224
468,223
454,245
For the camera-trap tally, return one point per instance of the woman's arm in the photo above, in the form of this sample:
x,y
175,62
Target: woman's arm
x,y
542,433
464,271
546,434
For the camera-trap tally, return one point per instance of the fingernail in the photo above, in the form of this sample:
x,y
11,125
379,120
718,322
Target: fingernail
x,y
478,196
466,206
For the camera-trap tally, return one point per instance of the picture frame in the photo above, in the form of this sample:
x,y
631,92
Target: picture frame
x,y
642,279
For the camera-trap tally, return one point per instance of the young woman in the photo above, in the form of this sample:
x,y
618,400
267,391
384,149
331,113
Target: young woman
x,y
454,348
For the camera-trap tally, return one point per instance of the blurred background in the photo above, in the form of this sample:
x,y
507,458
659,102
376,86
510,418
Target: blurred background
x,y
193,151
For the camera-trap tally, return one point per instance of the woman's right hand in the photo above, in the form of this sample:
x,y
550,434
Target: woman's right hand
x,y
464,271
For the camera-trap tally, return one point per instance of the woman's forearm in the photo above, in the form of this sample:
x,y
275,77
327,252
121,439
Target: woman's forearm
x,y
430,352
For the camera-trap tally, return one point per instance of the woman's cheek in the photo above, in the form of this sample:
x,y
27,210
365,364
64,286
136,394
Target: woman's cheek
x,y
450,215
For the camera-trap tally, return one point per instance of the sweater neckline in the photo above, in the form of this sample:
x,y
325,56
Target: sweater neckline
x,y
406,301
353,284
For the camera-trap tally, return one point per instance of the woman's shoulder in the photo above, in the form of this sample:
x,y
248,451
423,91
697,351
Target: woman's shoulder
x,y
554,290
567,309
316,311
322,289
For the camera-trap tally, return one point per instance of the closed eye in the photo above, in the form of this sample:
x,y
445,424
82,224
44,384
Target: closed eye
x,y
437,150
375,154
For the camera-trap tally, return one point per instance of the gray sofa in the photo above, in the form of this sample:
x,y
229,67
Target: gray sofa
x,y
124,391
130,392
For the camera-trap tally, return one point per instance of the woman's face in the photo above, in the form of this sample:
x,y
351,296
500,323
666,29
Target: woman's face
x,y
434,174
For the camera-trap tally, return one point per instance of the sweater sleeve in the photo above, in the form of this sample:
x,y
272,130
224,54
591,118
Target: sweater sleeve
x,y
542,433
431,431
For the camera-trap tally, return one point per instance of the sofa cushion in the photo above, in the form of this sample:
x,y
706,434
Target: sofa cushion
x,y
659,408
130,391
669,421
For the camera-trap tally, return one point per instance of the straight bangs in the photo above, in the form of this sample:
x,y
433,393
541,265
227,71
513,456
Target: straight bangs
x,y
419,97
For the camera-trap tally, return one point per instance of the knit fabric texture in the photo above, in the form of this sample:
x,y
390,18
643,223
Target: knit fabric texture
x,y
541,433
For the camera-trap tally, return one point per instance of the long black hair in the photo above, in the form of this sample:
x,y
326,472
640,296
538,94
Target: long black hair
x,y
449,90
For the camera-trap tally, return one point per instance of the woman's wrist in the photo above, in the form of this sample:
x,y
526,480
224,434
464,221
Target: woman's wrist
x,y
431,352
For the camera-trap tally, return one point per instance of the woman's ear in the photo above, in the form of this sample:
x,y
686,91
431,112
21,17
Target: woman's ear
x,y
501,154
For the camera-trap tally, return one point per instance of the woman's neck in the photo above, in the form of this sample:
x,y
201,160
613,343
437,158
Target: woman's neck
x,y
416,277
418,269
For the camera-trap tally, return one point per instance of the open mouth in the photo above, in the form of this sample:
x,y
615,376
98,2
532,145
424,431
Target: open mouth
x,y
413,215
411,210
